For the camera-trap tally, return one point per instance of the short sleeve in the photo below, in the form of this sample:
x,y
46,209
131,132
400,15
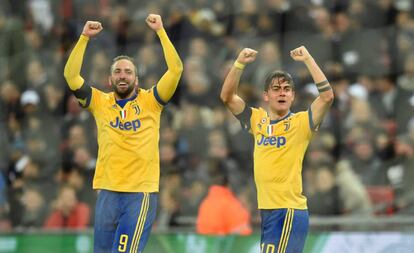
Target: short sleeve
x,y
95,100
244,118
306,123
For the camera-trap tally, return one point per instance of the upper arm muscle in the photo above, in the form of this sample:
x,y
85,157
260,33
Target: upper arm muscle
x,y
236,105
319,109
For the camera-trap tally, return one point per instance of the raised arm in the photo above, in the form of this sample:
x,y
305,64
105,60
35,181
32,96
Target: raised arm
x,y
322,103
73,66
169,81
74,63
229,90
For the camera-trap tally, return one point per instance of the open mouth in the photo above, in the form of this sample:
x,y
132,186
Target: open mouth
x,y
281,101
122,84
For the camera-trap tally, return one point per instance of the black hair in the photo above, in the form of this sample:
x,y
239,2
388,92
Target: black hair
x,y
218,172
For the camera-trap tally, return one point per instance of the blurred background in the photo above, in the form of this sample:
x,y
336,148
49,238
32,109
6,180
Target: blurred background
x,y
359,169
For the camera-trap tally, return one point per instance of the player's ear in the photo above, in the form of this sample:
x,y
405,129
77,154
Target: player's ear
x,y
109,82
265,96
136,81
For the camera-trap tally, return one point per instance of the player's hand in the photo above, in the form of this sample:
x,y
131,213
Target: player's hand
x,y
92,28
300,54
247,55
154,22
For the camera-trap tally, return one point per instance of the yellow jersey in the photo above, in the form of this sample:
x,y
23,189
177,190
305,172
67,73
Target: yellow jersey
x,y
128,157
128,136
279,150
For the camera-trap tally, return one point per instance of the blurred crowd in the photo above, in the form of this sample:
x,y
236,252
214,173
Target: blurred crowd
x,y
360,162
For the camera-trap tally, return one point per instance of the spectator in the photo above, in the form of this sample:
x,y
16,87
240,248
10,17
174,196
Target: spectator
x,y
67,211
13,50
326,200
402,171
5,224
54,101
171,186
34,206
79,178
221,213
353,193
392,104
366,164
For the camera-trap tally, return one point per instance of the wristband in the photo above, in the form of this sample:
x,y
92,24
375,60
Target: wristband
x,y
239,65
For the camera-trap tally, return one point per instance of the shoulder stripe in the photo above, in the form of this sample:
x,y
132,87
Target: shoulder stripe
x,y
311,124
84,95
157,96
244,118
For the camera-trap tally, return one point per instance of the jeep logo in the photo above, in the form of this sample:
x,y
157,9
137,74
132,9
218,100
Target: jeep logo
x,y
277,141
129,125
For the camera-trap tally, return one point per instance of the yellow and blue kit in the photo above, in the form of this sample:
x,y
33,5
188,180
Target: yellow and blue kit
x,y
128,157
123,222
279,149
127,171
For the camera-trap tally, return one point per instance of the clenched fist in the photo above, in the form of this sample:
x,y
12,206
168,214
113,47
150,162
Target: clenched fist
x,y
92,28
154,22
247,55
300,54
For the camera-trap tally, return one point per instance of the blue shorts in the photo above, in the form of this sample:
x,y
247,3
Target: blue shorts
x,y
123,221
283,230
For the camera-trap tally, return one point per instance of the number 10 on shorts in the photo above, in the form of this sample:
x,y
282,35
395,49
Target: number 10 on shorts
x,y
270,248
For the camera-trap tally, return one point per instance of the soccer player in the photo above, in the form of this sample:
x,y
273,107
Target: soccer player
x,y
128,121
281,138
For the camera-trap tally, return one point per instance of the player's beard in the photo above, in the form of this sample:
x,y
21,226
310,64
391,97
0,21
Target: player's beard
x,y
122,92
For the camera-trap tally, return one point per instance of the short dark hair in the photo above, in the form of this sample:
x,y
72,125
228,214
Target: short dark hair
x,y
218,172
281,77
124,57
